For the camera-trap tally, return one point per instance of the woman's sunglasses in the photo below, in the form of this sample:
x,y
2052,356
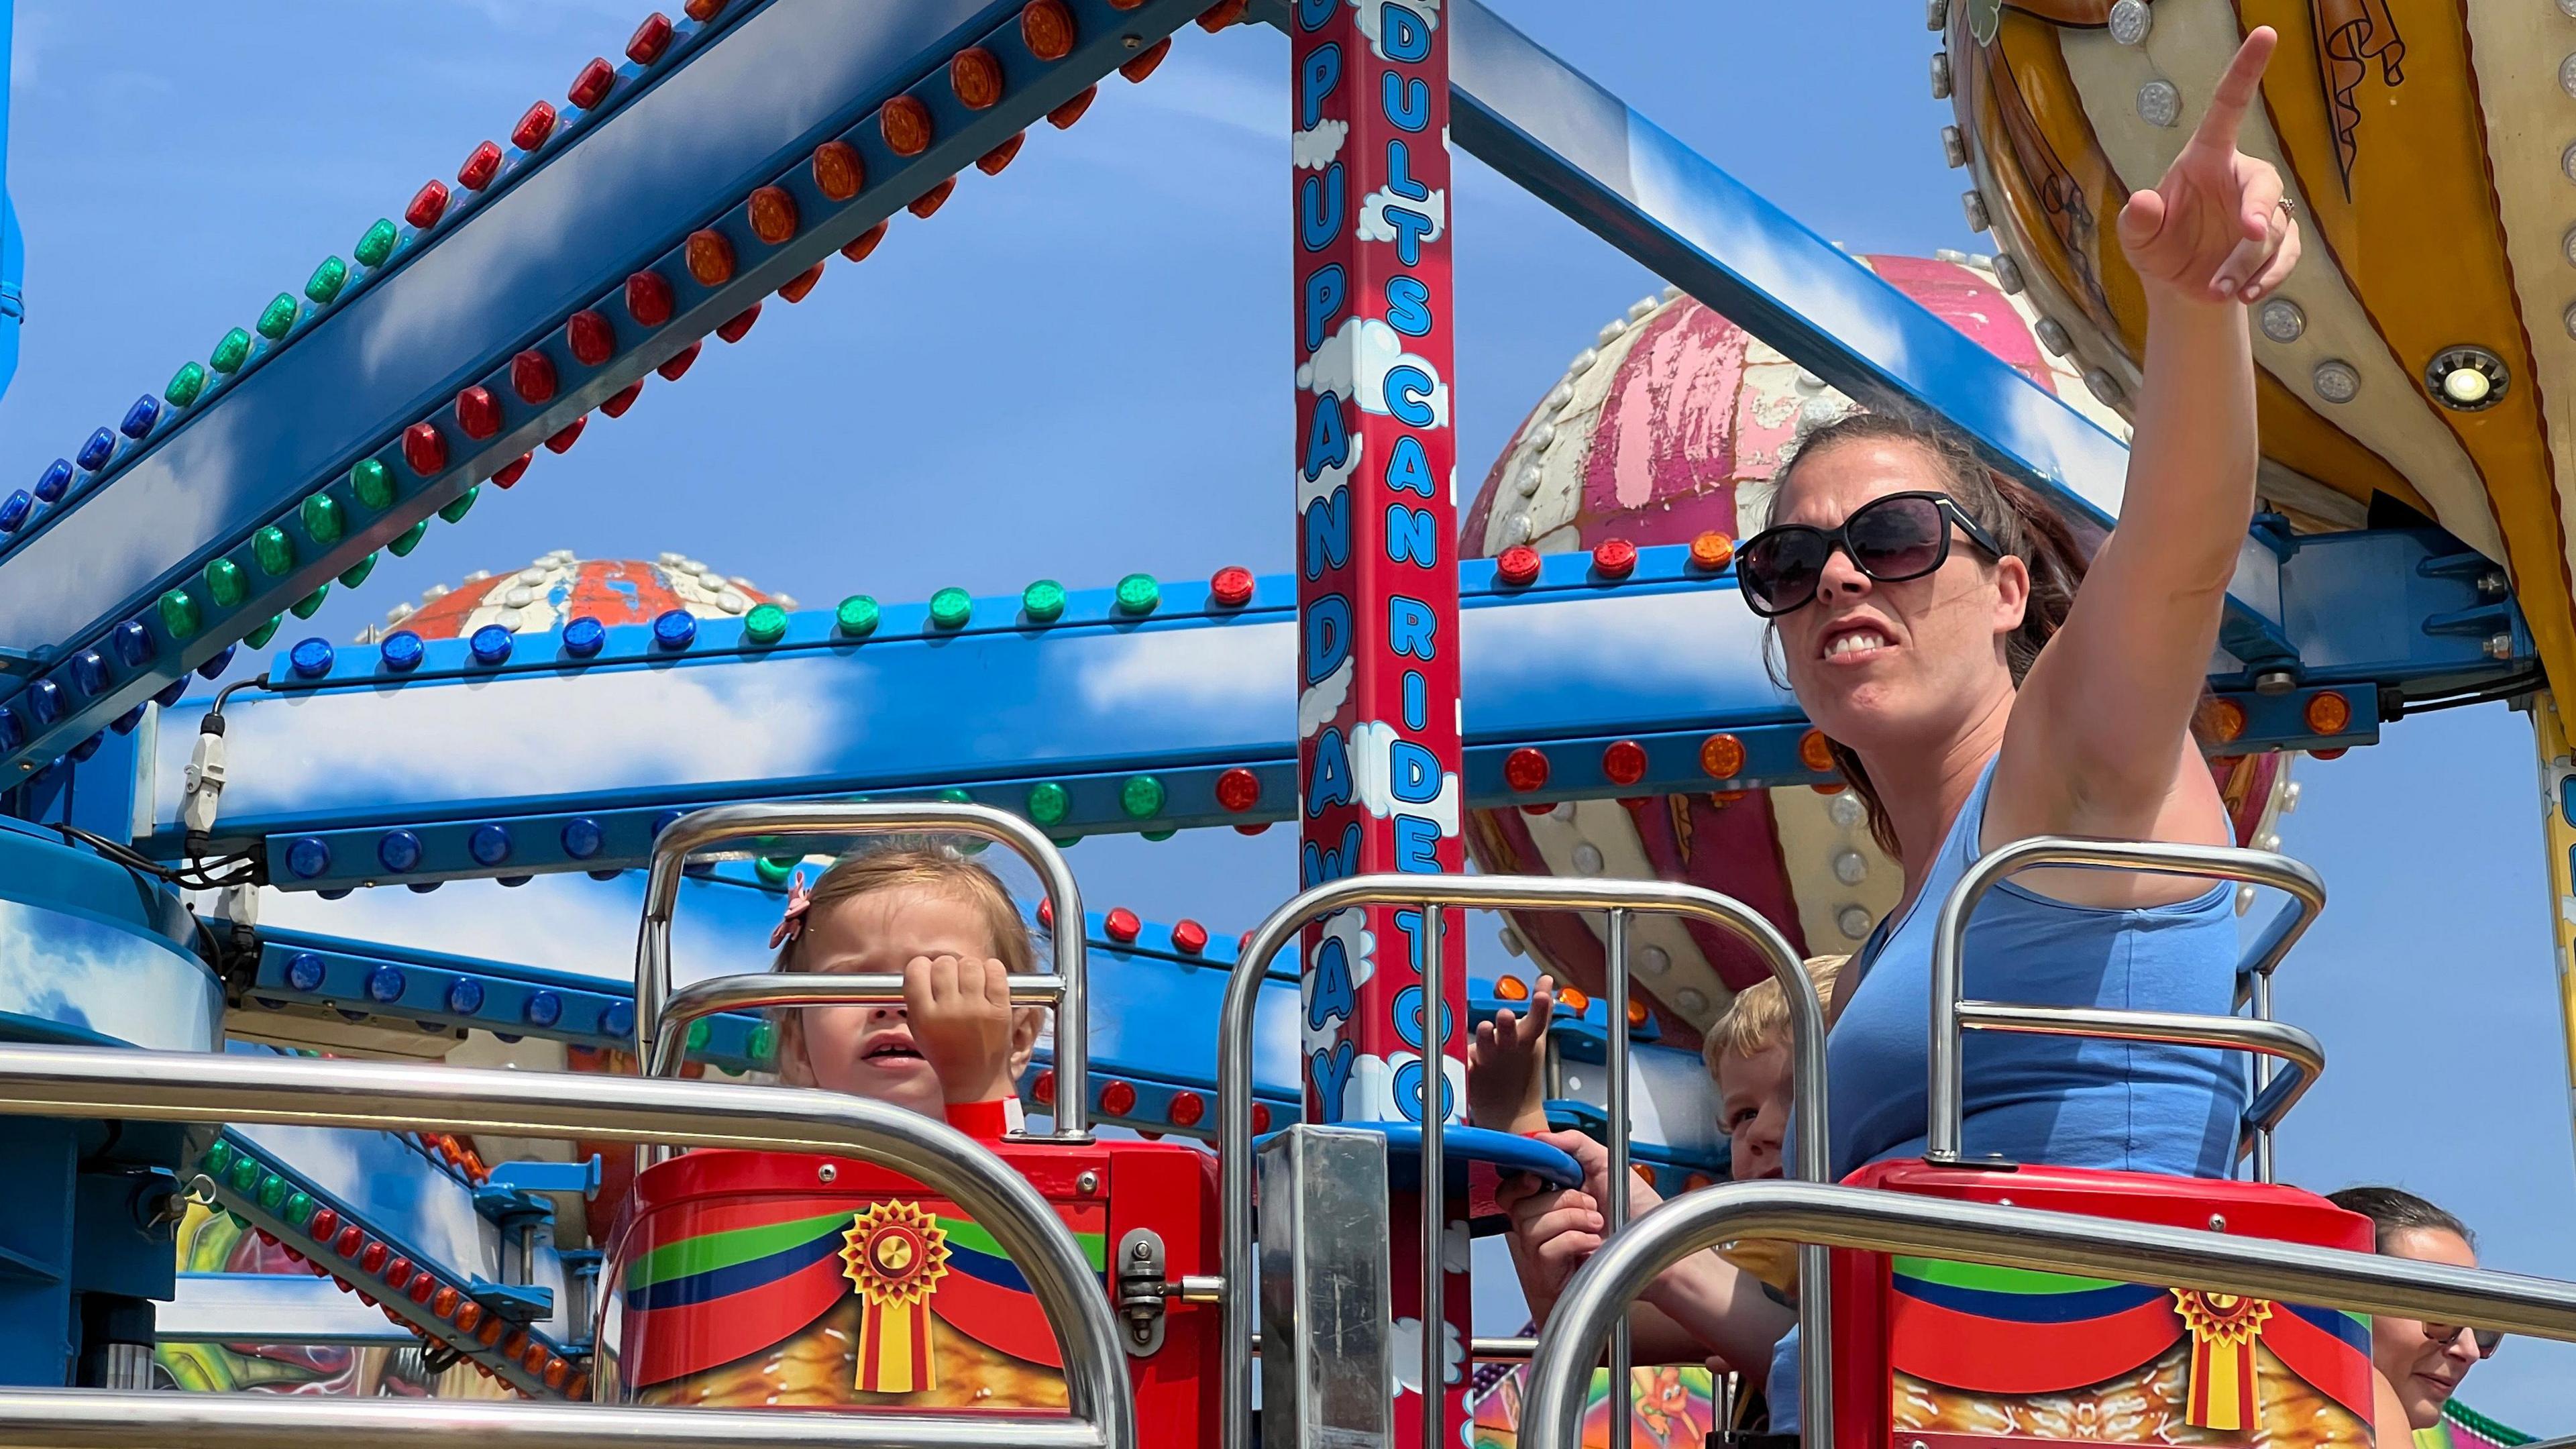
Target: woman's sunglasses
x,y
2486,1338
1891,539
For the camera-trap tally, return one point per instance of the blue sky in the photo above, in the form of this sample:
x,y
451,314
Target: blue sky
x,y
1079,368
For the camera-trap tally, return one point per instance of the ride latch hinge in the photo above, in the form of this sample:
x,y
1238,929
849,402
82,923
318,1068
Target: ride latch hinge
x,y
1141,1290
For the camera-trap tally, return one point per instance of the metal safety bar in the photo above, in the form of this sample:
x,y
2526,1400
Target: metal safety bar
x,y
1810,1153
1951,1015
661,1033
1875,1220
126,1085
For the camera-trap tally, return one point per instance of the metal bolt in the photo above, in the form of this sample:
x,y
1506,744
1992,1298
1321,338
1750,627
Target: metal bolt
x,y
2052,335
1088,1183
1936,16
2103,385
2008,275
1940,75
1954,147
2273,683
1141,1251
2130,22
2159,103
2217,1223
827,1173
1975,207
2492,584
2500,646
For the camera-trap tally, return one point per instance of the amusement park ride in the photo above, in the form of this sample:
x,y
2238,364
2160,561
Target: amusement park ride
x,y
368,1209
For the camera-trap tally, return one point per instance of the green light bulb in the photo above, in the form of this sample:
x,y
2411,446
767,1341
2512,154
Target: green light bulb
x,y
299,1208
856,616
323,519
356,573
259,637
303,608
1138,594
180,616
245,1174
1159,834
954,796
378,244
765,624
1048,803
409,540
272,1192
218,1158
698,1035
950,608
373,485
185,384
239,1221
1043,601
1141,797
225,583
327,280
774,869
1064,842
274,550
278,317
463,503
762,1043
231,352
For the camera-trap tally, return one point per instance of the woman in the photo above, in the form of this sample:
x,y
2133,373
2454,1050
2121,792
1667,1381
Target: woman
x,y
2422,1363
1927,613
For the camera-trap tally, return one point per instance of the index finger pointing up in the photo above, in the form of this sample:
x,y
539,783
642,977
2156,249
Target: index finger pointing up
x,y
2236,90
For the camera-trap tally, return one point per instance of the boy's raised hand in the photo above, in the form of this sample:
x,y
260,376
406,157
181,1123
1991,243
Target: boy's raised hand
x,y
960,1012
1506,1066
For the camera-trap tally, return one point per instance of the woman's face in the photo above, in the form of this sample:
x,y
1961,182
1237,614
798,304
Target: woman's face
x,y
1881,665
2424,1370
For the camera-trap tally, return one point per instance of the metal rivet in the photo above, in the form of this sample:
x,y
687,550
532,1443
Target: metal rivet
x,y
2567,8
2568,319
1974,206
1853,922
2159,103
1654,960
1691,1002
2282,320
1850,868
1844,810
1088,1183
2337,381
2217,1223
2567,75
1940,75
2567,163
1587,859
2130,22
827,1173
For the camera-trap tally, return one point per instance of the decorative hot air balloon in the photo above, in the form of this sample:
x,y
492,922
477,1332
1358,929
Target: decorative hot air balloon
x,y
1668,427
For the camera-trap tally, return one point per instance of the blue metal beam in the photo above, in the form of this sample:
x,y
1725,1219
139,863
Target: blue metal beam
x,y
1107,721
675,147
1589,154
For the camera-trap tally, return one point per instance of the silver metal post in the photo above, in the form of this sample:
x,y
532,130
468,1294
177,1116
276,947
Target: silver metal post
x,y
1615,1209
1811,1152
1877,1221
150,1086
729,824
1435,1191
1949,941
2262,1079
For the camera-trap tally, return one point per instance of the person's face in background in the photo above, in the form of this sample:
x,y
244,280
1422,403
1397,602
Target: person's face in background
x,y
2424,1364
1753,1109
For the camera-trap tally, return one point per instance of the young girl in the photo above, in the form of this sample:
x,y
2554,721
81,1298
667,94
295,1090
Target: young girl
x,y
956,1046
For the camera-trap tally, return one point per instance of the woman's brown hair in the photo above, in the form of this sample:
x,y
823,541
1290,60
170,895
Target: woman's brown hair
x,y
2029,530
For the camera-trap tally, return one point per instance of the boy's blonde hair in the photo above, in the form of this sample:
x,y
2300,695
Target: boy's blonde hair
x,y
935,868
1758,1018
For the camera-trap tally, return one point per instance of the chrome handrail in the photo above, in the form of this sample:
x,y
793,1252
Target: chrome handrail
x,y
720,994
1811,1155
726,823
127,1085
1947,1097
1879,1221
2268,1039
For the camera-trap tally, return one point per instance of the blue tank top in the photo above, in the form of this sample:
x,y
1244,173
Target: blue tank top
x,y
2061,1101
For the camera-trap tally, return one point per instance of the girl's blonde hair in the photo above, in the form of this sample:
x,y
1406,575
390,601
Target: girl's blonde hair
x,y
931,867
1758,1018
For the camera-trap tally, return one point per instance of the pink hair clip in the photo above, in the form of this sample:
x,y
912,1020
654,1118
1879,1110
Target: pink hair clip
x,y
799,901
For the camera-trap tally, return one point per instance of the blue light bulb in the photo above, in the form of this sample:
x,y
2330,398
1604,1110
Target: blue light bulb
x,y
464,996
86,748
491,644
675,628
582,837
89,671
140,417
401,651
512,882
44,701
223,660
304,973
584,637
340,893
544,1008
399,850
663,822
617,1019
12,734
490,843
55,481
310,658
423,887
171,692
95,453
603,874
133,643
308,857
124,724
386,983
15,510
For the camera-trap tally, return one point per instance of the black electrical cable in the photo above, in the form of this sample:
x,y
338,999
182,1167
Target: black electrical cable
x,y
2503,689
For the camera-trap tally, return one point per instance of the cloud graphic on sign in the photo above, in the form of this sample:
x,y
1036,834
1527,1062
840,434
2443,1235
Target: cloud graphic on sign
x,y
1314,148
1321,701
1359,943
1355,360
1404,1344
1372,778
1371,1095
1373,20
1320,487
1375,227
